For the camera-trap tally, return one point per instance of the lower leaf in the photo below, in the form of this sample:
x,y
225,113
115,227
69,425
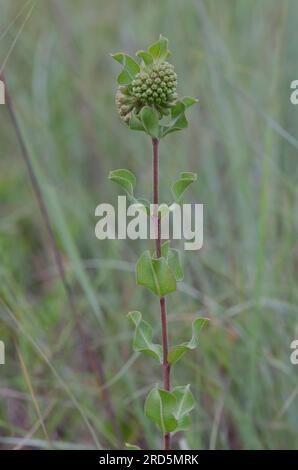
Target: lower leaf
x,y
160,406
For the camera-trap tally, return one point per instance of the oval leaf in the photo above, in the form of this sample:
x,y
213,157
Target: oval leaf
x,y
160,406
155,274
150,121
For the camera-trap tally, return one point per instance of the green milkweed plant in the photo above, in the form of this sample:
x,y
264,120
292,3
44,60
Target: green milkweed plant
x,y
147,101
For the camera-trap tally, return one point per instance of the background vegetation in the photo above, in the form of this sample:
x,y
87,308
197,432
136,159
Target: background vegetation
x,y
239,58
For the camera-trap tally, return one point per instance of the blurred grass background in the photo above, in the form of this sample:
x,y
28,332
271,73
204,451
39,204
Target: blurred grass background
x,y
239,58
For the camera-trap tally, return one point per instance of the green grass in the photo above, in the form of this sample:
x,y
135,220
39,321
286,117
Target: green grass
x,y
239,59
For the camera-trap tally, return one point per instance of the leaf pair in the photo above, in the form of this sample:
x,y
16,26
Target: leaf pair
x,y
170,410
143,339
155,274
160,274
148,119
127,180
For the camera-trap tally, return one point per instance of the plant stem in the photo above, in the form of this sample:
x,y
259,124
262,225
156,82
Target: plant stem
x,y
163,307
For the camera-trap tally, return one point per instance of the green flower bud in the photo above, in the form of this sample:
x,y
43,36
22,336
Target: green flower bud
x,y
160,84
154,85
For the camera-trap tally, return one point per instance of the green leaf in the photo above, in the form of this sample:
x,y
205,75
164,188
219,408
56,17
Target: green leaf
x,y
159,50
135,122
146,57
178,118
185,400
150,121
144,205
180,186
132,446
173,259
155,274
183,424
184,404
143,337
130,68
188,101
178,351
160,406
124,178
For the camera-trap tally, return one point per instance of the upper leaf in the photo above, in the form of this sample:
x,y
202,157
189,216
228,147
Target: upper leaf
x,y
178,351
155,274
178,118
146,57
143,337
159,50
150,121
180,186
124,178
160,406
130,68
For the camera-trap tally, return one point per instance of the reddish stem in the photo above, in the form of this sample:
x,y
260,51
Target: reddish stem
x,y
163,307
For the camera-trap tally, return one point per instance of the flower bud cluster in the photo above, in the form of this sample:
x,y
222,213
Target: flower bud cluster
x,y
153,86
